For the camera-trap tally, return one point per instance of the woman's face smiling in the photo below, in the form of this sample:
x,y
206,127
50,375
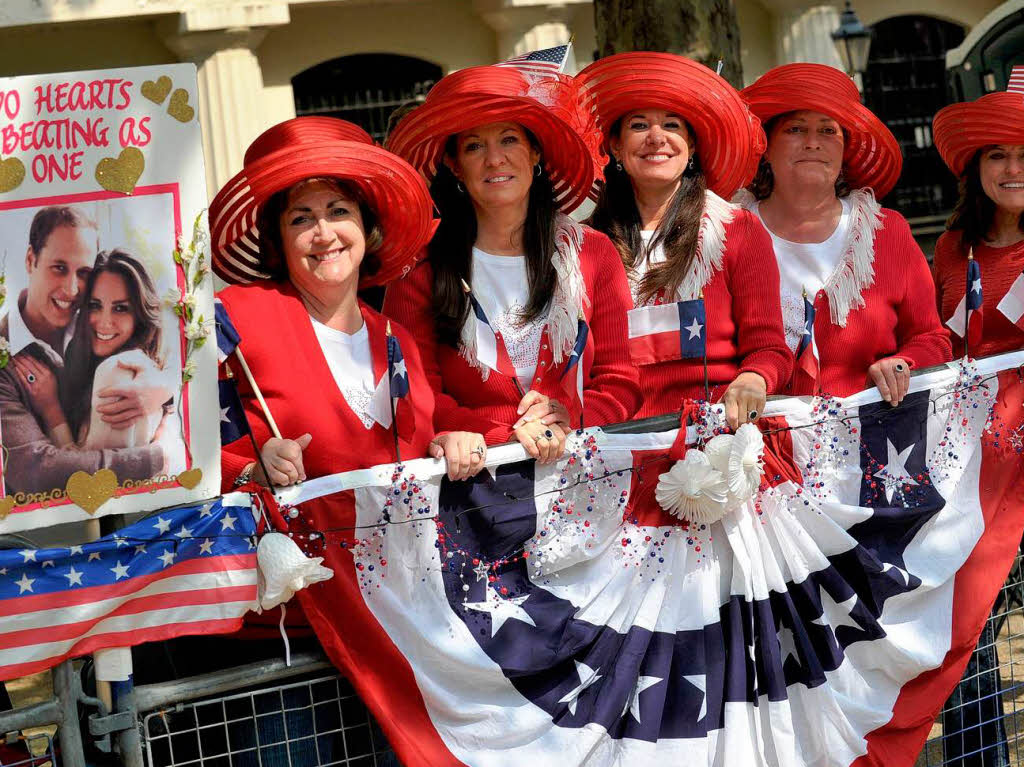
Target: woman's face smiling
x,y
495,164
1002,176
654,147
323,237
111,319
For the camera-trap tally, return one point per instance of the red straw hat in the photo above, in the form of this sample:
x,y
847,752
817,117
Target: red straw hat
x,y
729,139
546,106
960,130
871,156
308,147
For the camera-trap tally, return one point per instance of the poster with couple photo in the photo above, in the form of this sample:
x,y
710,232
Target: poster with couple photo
x,y
107,358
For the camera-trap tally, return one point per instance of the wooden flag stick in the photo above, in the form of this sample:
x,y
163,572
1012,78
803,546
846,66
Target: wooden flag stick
x,y
259,395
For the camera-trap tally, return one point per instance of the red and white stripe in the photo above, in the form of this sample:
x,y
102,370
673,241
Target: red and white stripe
x,y
1016,83
197,596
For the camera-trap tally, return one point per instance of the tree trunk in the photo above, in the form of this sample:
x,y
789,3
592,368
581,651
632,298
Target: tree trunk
x,y
704,30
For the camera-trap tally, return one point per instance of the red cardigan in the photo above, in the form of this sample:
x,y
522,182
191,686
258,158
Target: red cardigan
x,y
282,351
466,402
898,318
744,326
999,268
284,356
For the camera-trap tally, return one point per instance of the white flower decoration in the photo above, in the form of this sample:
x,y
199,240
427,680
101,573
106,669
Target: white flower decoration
x,y
173,297
746,463
189,300
196,330
717,450
693,490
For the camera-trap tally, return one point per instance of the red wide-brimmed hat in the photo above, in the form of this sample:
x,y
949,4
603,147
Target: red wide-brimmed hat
x,y
729,138
960,130
546,106
309,147
871,154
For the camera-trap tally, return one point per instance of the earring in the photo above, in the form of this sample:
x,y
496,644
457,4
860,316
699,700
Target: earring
x,y
618,165
460,187
537,170
689,165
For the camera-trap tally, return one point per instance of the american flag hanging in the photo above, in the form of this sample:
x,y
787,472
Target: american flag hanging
x,y
558,616
177,572
1016,82
546,62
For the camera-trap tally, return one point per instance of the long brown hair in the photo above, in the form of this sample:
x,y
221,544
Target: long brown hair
x,y
617,215
75,387
975,210
451,250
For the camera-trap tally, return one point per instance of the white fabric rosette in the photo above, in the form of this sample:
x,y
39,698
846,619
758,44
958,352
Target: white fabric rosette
x,y
693,490
706,485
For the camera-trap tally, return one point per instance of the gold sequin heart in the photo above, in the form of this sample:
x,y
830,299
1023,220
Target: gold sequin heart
x,y
157,91
12,173
189,479
120,174
178,107
6,506
90,491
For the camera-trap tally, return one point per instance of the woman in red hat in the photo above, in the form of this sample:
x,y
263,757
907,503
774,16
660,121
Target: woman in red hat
x,y
982,142
518,311
318,212
855,284
681,140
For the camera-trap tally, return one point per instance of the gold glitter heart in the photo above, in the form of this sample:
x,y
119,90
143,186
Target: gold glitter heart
x,y
90,491
189,479
178,107
121,174
12,173
157,91
6,505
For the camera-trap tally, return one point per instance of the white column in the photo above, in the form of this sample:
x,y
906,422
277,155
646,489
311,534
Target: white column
x,y
805,35
230,79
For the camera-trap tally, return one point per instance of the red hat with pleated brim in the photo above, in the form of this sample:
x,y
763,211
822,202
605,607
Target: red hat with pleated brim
x,y
871,154
548,106
729,138
960,130
311,147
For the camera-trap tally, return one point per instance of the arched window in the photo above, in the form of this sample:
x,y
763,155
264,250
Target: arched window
x,y
364,88
905,85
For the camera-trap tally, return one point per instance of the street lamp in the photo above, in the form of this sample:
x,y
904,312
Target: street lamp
x,y
852,41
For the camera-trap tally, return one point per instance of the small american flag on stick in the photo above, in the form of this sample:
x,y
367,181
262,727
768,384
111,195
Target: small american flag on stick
x,y
1016,83
543,63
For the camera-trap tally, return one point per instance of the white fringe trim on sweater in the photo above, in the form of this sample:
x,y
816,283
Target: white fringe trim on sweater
x,y
566,304
718,213
855,272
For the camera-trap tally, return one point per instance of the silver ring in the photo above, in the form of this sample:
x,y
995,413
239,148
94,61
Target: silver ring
x,y
900,367
752,415
479,450
548,434
31,378
540,438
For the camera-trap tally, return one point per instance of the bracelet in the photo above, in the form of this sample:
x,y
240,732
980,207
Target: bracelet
x,y
246,476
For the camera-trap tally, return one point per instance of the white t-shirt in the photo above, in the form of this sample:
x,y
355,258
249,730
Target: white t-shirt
x,y
806,266
500,286
348,357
